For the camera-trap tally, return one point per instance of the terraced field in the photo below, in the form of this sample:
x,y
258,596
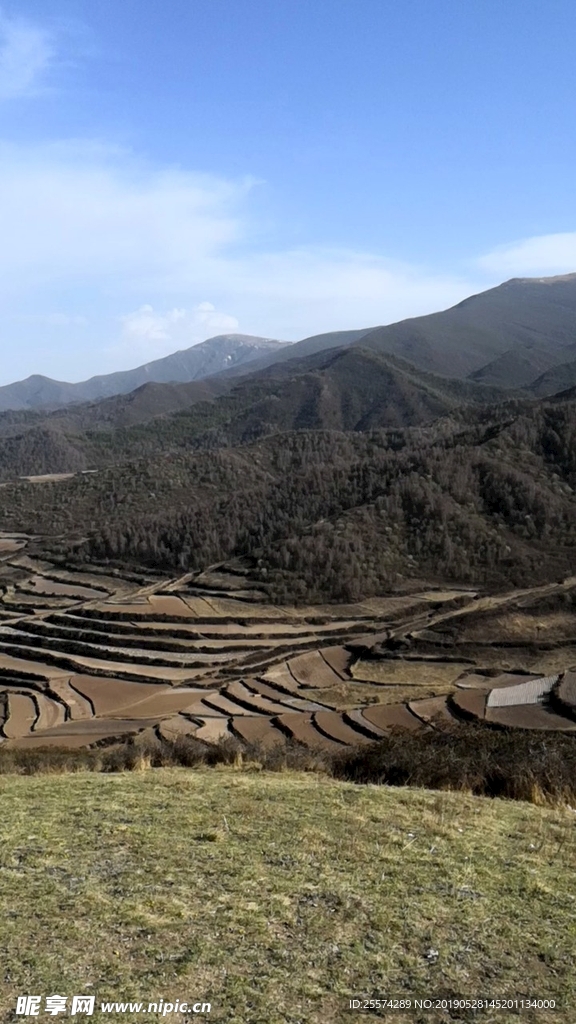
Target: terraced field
x,y
91,656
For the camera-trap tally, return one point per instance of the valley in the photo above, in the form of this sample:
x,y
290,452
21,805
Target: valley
x,y
91,657
318,543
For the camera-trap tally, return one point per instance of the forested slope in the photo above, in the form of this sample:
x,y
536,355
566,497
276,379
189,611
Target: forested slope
x,y
485,497
342,389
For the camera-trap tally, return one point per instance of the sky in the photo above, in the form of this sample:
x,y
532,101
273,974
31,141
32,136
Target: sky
x,y
175,169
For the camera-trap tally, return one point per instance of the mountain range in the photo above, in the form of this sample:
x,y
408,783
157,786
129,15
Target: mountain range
x,y
522,323
509,337
196,363
512,343
442,447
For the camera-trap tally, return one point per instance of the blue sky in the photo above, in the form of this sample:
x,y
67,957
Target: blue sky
x,y
175,169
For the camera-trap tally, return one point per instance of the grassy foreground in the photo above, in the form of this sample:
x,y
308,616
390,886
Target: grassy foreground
x,y
279,896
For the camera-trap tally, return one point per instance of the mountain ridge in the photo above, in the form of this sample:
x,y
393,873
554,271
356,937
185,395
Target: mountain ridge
x,y
198,362
345,389
506,336
459,341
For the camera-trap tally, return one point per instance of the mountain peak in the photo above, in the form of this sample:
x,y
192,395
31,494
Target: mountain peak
x,y
206,359
556,279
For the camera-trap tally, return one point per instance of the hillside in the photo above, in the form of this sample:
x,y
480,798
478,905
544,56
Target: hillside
x,y
338,473
356,389
480,497
311,346
163,664
518,319
272,897
341,389
519,335
195,363
139,406
521,365
558,379
505,337
340,516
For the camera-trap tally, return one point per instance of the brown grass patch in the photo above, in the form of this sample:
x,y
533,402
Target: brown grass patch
x,y
8,547
355,694
147,673
78,706
282,677
47,478
518,626
260,731
391,716
434,710
437,675
332,724
301,728
26,667
51,712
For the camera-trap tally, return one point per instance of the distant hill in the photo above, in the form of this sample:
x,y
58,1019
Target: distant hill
x,y
300,349
341,389
138,407
521,365
506,337
559,378
521,335
524,319
196,363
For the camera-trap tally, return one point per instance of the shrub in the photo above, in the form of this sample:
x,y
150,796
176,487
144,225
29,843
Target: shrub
x,y
512,763
539,767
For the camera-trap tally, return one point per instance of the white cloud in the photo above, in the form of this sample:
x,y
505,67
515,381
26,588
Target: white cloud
x,y
77,211
533,257
94,231
300,292
207,318
148,334
26,53
146,325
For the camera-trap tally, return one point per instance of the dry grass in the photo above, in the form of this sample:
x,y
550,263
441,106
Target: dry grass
x,y
280,896
519,626
10,546
53,588
355,694
523,659
438,676
344,695
401,694
511,763
148,749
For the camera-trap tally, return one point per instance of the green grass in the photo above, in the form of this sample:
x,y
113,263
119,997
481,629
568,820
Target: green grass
x,y
278,896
